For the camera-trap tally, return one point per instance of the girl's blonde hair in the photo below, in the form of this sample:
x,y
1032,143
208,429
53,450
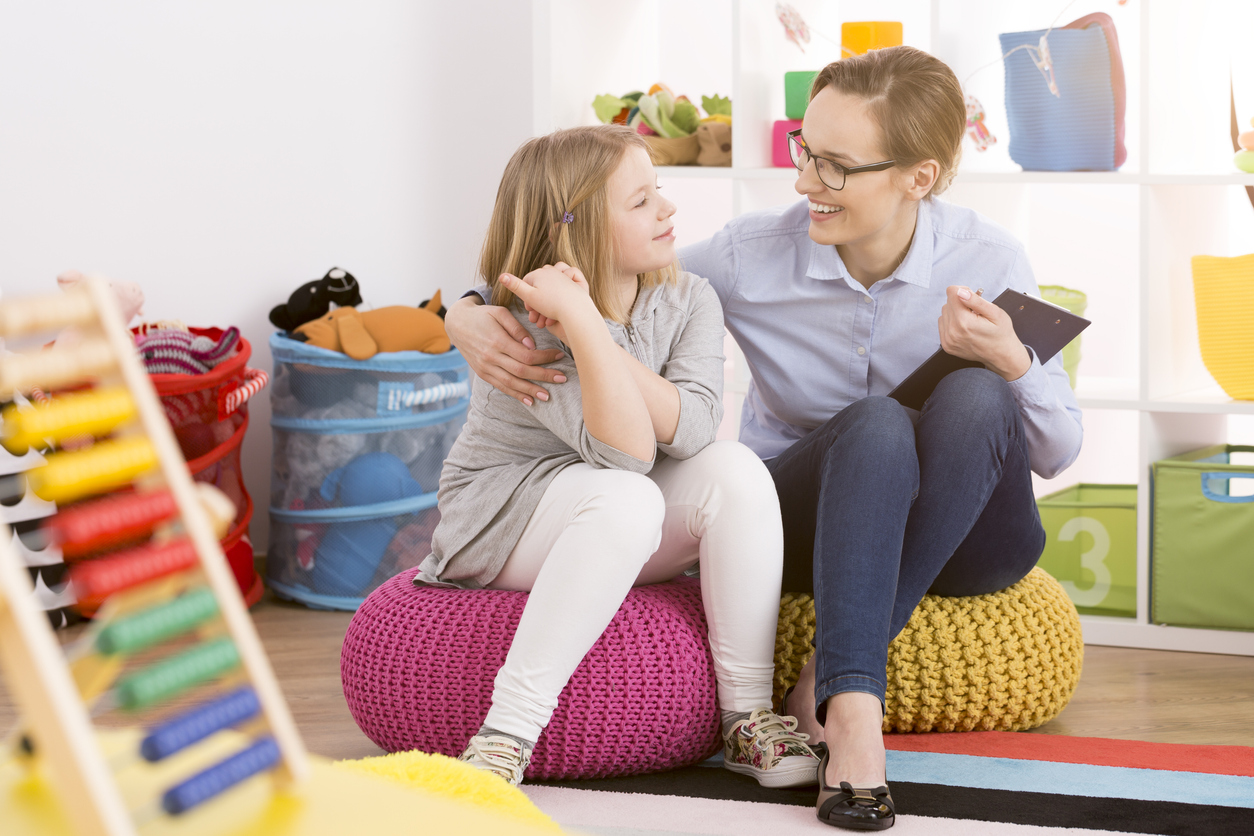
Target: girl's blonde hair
x,y
915,98
552,205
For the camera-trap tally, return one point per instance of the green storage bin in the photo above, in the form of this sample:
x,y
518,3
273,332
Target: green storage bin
x,y
1202,554
1090,546
1074,301
797,92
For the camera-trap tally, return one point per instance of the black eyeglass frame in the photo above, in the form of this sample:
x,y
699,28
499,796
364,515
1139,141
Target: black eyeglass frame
x,y
796,135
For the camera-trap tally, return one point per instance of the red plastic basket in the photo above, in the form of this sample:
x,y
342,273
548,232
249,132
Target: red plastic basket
x,y
209,414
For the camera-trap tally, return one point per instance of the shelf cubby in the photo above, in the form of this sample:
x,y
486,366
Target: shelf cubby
x,y
1123,237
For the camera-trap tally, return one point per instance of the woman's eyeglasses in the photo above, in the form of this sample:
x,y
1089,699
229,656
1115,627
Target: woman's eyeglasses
x,y
831,173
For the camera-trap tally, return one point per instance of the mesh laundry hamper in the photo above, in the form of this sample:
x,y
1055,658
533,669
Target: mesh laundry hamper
x,y
209,415
358,447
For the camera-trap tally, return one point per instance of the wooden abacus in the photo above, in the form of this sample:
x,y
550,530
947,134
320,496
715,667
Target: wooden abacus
x,y
169,618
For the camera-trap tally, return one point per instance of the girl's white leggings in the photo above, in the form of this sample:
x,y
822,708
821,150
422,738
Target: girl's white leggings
x,y
597,533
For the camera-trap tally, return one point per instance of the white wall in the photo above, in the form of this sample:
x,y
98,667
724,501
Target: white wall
x,y
221,154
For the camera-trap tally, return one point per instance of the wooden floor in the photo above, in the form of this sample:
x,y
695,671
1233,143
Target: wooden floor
x,y
1132,694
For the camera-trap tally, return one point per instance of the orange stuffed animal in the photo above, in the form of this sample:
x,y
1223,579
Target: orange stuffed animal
x,y
363,334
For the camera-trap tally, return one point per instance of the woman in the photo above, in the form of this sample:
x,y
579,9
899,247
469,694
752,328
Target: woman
x,y
834,300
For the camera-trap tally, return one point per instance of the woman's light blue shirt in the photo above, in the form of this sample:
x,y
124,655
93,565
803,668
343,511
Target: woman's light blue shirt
x,y
816,340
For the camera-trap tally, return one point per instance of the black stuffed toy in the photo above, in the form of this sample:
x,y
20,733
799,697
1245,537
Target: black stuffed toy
x,y
440,313
314,299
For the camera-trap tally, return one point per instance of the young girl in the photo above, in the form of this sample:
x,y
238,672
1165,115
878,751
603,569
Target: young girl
x,y
870,272
614,481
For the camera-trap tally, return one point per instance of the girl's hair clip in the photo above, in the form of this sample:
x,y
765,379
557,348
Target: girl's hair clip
x,y
569,217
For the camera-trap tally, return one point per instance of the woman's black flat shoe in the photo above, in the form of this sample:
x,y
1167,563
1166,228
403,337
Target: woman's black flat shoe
x,y
853,808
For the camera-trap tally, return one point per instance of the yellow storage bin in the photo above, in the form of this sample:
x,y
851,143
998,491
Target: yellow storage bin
x,y
1223,289
858,37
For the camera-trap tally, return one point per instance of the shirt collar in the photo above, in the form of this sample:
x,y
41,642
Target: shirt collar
x,y
916,269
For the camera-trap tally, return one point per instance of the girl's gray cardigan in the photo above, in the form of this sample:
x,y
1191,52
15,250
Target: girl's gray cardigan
x,y
508,453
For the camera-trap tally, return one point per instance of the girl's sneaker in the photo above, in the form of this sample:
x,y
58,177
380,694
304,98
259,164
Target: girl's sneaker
x,y
498,754
769,748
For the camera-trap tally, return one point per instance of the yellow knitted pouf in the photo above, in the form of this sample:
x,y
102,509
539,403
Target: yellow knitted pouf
x,y
1007,661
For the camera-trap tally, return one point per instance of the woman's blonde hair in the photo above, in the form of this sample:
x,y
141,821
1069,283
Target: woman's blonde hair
x,y
552,205
915,98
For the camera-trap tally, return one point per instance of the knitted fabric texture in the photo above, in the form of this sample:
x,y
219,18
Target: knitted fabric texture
x,y
418,665
180,352
1007,661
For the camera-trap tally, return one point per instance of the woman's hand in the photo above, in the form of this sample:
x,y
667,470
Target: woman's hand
x,y
973,328
499,349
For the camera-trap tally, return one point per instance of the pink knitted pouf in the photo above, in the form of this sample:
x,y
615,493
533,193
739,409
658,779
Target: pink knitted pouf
x,y
418,665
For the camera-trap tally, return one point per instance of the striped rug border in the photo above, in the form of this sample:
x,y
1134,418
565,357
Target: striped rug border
x,y
1072,779
1165,818
1094,751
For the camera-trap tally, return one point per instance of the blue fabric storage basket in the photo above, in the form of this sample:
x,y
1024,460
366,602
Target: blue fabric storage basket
x,y
358,449
1074,131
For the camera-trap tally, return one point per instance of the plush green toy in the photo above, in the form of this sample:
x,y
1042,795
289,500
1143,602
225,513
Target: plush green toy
x,y
717,105
613,109
659,112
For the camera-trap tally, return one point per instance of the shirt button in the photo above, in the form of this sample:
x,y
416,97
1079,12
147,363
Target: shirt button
x,y
866,299
861,350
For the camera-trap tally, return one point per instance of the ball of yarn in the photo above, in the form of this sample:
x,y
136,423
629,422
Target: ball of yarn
x,y
1006,661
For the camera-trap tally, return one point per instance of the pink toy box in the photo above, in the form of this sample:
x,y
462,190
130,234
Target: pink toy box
x,y
779,142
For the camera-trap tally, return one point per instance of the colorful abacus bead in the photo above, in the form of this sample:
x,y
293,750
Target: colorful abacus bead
x,y
176,674
105,466
95,580
259,757
157,624
67,416
193,726
108,523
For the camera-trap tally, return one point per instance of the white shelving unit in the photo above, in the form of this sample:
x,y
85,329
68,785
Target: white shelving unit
x,y
1124,237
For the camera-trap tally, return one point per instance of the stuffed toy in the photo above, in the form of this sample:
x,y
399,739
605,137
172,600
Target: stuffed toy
x,y
129,296
714,140
440,310
672,125
349,553
314,299
412,542
714,134
181,352
363,334
309,457
305,458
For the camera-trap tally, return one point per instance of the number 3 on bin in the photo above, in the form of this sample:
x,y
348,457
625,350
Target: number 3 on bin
x,y
1094,560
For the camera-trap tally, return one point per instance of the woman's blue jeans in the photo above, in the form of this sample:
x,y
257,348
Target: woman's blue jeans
x,y
882,505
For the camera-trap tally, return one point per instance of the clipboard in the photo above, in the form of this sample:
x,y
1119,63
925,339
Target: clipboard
x,y
1041,326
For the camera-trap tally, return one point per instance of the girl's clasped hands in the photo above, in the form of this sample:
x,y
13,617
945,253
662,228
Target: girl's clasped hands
x,y
552,294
